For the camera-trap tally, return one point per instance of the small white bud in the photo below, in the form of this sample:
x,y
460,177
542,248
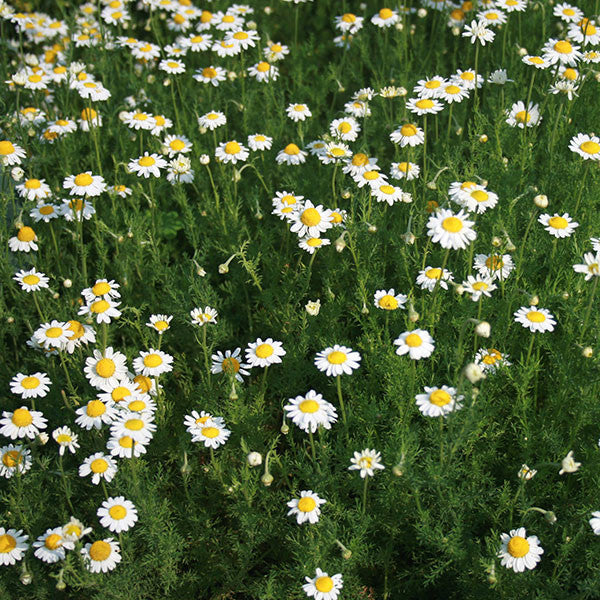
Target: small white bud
x,y
268,10
231,75
432,185
202,130
267,479
251,25
200,272
364,310
505,161
483,138
456,31
483,329
204,159
422,13
17,173
541,201
151,78
535,300
223,268
408,238
43,438
313,307
56,295
474,373
346,194
285,429
10,319
399,26
522,51
67,283
496,241
254,459
565,295
340,244
372,229
568,464
459,289
587,352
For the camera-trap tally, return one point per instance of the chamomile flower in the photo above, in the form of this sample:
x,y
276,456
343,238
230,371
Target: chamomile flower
x,y
496,266
80,334
335,152
558,226
212,434
357,108
389,300
307,508
311,244
102,310
519,116
32,280
146,165
310,411
105,370
387,193
11,154
386,17
177,144
535,319
229,364
203,317
30,386
99,466
75,530
489,360
429,88
160,323
346,129
231,152
298,112
438,402
337,360
590,266
65,439
479,286
408,135
52,546
153,363
77,209
562,52
197,42
311,220
259,142
52,335
85,184
366,462
211,120
275,51
101,555
264,353
291,155
137,425
405,170
212,75
453,92
117,514
450,230
13,545
359,164
24,241
491,17
424,106
459,191
172,66
417,344
94,414
478,31
467,79
45,211
264,72
21,423
519,551
587,146
430,277
371,178
34,189
196,421
103,289
14,459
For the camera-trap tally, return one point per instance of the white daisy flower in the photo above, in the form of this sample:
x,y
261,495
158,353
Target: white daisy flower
x,y
85,184
103,310
231,152
424,106
31,281
438,402
75,530
99,466
211,120
177,144
14,459
590,266
496,266
44,211
311,220
349,23
94,414
11,154
230,364
264,72
80,334
291,155
101,290
562,52
429,88
567,12
357,108
389,300
65,439
386,17
201,317
535,319
387,193
30,386
52,546
370,178
52,335
21,423
405,170
125,447
478,31
195,421
558,226
408,135
417,344
310,411
212,75
117,514
172,66
520,116
149,164
489,360
481,285
197,42
360,164
138,426
467,79
259,142
160,323
212,434
264,353
587,146
366,462
337,360
153,363
430,277
595,522
12,546
450,230
346,129
335,152
311,244
34,189
77,209
106,371
519,551
307,508
24,241
298,112
102,555
275,51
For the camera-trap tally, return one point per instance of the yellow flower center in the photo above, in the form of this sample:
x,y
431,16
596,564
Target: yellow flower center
x,y
452,224
337,152
424,103
314,242
228,19
518,546
264,350
457,14
144,383
336,217
408,130
384,13
263,66
146,161
371,175
11,459
172,64
240,35
99,306
479,196
119,393
344,127
387,189
6,148
494,262
480,286
306,504
100,551
275,48
259,138
105,367
452,89
230,365
291,149
48,209
558,223
117,512
161,325
434,273
53,541
126,442
152,360
563,47
140,116
413,340
134,424
209,72
136,406
210,432
309,406
35,78
33,184
535,316
63,438
54,332
88,114
348,18
360,159
590,147
232,148
31,279
440,398
101,288
388,302
30,383
336,357
179,19
310,217
432,85
95,408
7,543
523,116
570,74
99,465
22,417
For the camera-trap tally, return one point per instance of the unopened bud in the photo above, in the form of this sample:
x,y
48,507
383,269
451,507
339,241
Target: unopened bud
x,y
541,201
496,241
267,479
223,268
43,438
204,159
413,315
26,575
372,229
565,295
346,194
364,310
285,429
432,185
56,295
17,173
67,283
422,13
587,352
254,459
535,300
550,517
10,319
340,244
408,238
474,373
483,138
483,329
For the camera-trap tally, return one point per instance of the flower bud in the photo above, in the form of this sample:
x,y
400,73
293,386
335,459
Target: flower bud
x,y
313,307
565,295
285,429
459,289
550,517
535,300
483,329
364,310
372,229
56,295
267,479
204,159
67,283
413,315
10,319
522,51
432,185
496,241
408,238
541,201
26,575
17,173
223,268
43,438
587,352
254,459
422,13
346,194
251,25
483,138
340,244
474,373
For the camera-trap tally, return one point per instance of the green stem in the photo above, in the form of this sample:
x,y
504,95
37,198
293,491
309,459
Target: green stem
x,y
364,498
589,308
339,391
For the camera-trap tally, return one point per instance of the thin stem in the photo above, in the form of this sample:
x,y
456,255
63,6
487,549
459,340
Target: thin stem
x,y
64,481
205,349
339,391
312,445
589,308
364,498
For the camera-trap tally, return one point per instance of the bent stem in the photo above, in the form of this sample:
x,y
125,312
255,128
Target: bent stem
x,y
339,391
